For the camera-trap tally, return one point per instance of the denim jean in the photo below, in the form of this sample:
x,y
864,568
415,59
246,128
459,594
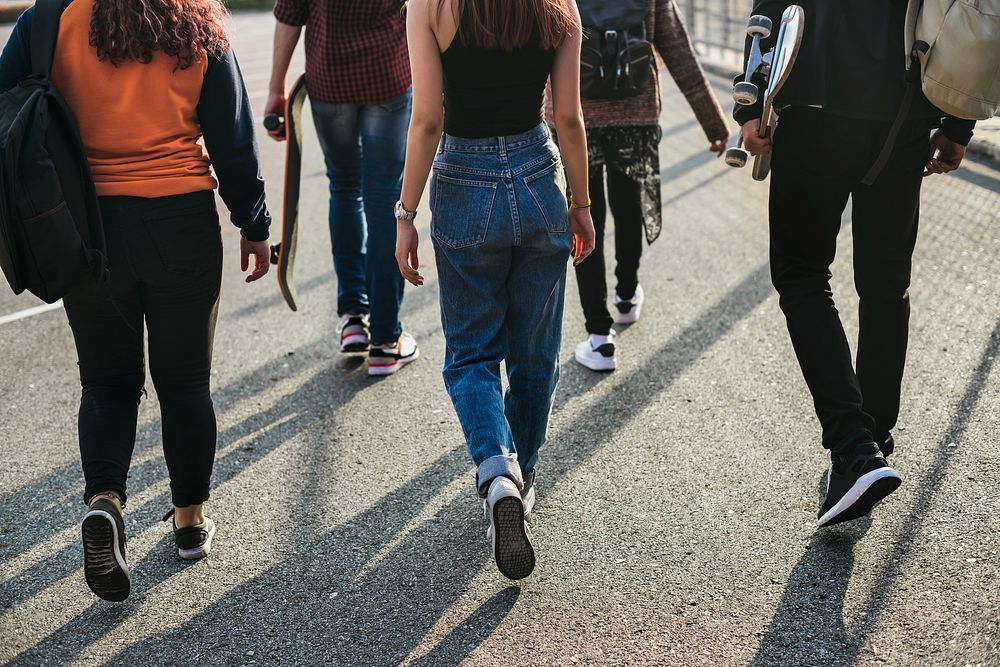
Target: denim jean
x,y
364,146
501,241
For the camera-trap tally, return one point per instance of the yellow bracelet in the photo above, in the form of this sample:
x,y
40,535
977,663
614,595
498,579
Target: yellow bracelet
x,y
574,205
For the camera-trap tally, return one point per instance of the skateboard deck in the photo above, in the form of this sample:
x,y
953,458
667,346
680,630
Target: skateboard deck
x,y
786,50
283,254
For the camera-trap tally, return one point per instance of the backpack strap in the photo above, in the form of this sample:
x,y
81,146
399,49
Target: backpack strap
x,y
44,32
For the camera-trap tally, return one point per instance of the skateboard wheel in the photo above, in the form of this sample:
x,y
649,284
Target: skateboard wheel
x,y
736,157
275,251
759,26
272,122
745,93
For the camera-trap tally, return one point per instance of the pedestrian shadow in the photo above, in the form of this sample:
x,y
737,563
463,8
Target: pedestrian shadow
x,y
809,622
369,591
459,644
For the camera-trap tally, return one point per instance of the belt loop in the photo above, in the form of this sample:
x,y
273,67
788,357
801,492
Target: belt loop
x,y
502,143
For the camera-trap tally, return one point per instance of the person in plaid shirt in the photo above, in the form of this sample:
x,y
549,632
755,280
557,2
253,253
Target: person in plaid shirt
x,y
358,77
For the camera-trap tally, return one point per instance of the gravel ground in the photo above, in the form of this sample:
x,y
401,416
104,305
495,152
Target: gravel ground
x,y
677,496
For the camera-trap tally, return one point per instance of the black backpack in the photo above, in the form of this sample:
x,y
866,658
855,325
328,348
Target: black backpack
x,y
51,236
616,60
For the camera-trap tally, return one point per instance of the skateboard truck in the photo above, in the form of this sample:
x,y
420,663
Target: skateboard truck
x,y
746,92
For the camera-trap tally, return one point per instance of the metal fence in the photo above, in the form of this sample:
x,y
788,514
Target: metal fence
x,y
718,28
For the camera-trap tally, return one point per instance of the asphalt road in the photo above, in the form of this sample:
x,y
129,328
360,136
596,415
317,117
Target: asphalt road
x,y
678,496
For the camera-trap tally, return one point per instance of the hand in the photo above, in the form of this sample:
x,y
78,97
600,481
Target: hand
x,y
261,251
718,146
581,226
755,144
407,241
276,105
945,156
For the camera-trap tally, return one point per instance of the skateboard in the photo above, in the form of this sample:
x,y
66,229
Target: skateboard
x,y
283,254
775,66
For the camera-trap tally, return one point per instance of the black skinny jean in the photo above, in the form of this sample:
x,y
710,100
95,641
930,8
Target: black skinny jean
x,y
624,199
819,161
166,268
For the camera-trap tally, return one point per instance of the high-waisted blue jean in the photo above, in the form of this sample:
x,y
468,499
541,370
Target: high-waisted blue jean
x,y
364,146
502,241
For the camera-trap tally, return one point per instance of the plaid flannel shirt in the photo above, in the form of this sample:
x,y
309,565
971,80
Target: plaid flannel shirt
x,y
355,49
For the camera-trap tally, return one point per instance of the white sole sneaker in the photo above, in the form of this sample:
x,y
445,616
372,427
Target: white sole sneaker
x,y
588,357
390,367
508,532
632,316
870,488
201,550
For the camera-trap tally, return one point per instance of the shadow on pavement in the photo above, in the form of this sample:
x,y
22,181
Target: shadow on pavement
x,y
808,626
368,591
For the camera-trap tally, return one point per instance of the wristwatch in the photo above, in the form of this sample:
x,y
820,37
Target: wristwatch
x,y
402,214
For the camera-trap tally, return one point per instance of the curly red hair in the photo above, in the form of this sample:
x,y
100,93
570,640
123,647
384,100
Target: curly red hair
x,y
124,30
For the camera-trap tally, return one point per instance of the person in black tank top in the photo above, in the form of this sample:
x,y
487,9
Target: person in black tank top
x,y
491,92
501,228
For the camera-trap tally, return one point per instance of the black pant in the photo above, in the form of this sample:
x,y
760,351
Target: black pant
x,y
624,199
819,161
166,267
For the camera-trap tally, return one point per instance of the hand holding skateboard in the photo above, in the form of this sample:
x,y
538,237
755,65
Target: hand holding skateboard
x,y
775,66
274,116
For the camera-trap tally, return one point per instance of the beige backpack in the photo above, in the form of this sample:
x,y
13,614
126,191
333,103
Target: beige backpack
x,y
957,43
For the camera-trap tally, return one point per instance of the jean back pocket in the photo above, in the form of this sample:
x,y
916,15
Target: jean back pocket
x,y
549,193
461,210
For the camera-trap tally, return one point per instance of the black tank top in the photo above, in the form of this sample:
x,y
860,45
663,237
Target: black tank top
x,y
491,92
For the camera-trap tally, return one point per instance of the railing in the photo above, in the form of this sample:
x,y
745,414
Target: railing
x,y
718,28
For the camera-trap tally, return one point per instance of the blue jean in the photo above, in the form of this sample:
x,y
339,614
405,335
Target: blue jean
x,y
501,242
364,146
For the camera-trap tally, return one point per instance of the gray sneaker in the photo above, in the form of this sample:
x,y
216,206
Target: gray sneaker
x,y
508,533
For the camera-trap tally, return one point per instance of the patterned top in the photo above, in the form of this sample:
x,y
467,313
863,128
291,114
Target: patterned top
x,y
666,32
355,49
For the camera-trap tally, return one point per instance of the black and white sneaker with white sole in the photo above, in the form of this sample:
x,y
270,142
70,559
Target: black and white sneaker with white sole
x,y
354,335
387,359
627,311
508,533
104,563
597,353
193,542
855,484
528,493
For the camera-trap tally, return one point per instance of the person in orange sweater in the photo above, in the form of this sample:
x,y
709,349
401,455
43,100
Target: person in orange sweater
x,y
148,80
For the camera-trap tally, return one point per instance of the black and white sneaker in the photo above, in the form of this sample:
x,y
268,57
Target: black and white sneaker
x,y
508,533
387,359
627,311
104,563
855,484
886,444
528,493
597,353
354,335
193,542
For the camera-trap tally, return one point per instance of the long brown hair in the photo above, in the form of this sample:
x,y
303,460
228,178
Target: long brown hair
x,y
511,24
123,30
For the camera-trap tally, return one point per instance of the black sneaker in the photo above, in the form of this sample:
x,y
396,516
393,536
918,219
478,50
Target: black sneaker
x,y
387,359
886,444
104,551
193,542
856,483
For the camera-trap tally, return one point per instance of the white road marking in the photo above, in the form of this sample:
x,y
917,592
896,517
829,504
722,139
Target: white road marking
x,y
30,312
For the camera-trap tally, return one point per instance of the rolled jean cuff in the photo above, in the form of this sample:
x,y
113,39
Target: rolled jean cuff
x,y
504,465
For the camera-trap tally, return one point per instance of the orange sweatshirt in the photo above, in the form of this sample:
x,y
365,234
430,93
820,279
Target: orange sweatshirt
x,y
139,123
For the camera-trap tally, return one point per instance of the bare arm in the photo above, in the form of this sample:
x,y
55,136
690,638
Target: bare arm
x,y
426,125
286,38
572,134
568,113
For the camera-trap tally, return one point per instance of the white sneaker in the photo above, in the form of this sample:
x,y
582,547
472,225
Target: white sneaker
x,y
627,310
354,336
597,353
387,359
508,532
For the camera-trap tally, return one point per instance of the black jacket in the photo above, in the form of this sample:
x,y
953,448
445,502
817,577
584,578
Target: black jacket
x,y
851,63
